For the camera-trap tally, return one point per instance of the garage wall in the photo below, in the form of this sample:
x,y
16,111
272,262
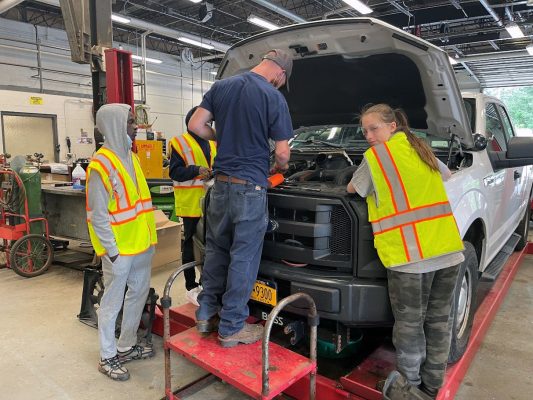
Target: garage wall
x,y
172,87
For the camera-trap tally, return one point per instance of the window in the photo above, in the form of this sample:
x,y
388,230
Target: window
x,y
508,128
494,128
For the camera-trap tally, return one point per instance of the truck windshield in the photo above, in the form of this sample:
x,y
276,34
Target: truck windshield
x,y
347,137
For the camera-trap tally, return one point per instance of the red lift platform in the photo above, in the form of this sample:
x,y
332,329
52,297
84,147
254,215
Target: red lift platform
x,y
294,375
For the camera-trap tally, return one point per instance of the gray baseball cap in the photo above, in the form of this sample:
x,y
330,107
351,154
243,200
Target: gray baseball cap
x,y
283,59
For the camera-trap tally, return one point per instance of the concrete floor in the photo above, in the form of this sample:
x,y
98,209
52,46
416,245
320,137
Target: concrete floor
x,y
48,354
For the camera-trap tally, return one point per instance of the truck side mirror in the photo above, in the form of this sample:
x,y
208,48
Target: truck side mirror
x,y
480,142
519,153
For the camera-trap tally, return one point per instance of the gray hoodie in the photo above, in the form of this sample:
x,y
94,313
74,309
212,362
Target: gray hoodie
x,y
111,121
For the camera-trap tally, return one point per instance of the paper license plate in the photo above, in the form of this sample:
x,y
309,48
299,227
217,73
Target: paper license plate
x,y
265,292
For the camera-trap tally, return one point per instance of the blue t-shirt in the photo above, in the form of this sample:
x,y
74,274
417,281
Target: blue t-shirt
x,y
247,111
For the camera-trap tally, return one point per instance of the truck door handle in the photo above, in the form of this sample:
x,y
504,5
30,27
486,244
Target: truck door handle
x,y
517,175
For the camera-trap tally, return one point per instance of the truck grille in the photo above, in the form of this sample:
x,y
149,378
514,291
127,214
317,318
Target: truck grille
x,y
312,231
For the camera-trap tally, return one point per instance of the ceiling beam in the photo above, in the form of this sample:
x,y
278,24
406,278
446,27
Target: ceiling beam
x,y
280,10
158,29
5,5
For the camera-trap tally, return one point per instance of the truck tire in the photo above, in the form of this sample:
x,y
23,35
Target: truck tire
x,y
523,227
464,304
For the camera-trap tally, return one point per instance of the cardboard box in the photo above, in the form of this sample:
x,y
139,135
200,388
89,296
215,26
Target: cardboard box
x,y
168,248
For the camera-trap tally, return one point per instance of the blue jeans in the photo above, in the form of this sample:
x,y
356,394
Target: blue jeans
x,y
236,225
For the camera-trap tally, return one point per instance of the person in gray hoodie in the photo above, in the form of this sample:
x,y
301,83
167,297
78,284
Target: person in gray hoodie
x,y
126,260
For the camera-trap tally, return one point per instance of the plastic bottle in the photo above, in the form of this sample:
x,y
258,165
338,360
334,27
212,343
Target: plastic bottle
x,y
78,175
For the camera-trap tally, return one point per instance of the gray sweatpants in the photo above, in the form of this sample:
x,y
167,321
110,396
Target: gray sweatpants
x,y
135,272
421,304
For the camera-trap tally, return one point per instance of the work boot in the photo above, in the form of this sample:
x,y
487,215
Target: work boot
x,y
398,388
206,326
250,333
431,392
113,369
136,352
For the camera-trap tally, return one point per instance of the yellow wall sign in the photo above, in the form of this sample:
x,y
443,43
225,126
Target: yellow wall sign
x,y
34,100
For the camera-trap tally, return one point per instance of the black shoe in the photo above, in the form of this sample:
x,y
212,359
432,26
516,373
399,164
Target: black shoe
x,y
398,388
206,326
429,391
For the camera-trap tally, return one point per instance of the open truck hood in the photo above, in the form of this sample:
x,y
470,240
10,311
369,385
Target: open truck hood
x,y
342,65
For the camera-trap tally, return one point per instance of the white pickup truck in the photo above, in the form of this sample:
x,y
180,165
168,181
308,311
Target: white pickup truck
x,y
321,242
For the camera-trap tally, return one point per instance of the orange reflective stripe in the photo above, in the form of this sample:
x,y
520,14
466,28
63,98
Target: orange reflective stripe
x,y
418,242
389,169
403,191
176,146
189,155
188,139
383,172
408,233
412,216
126,194
192,183
405,245
409,223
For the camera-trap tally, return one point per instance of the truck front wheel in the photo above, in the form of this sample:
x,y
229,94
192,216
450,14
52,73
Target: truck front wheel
x,y
464,303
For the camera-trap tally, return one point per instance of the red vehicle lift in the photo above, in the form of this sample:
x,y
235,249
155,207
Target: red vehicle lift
x,y
359,384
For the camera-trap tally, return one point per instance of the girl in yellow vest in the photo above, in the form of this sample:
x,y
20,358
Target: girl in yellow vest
x,y
417,240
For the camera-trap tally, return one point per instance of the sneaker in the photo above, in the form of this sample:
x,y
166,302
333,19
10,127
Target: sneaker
x,y
208,325
250,333
136,352
398,388
113,369
192,295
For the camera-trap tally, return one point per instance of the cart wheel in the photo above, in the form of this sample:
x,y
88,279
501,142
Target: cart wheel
x,y
31,255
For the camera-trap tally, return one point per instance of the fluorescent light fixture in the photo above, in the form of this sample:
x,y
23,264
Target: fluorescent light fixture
x,y
361,7
118,18
263,23
195,43
453,61
195,1
530,49
148,59
514,31
213,73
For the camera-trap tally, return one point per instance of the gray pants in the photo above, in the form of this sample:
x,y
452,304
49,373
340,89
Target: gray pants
x,y
421,304
135,272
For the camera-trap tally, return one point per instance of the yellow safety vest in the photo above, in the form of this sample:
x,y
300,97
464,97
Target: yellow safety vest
x,y
409,211
130,209
187,194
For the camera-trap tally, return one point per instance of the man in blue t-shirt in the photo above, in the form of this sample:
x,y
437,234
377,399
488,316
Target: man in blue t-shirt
x,y
248,111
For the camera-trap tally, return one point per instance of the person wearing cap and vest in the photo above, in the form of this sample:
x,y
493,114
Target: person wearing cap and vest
x,y
122,229
191,162
248,111
417,240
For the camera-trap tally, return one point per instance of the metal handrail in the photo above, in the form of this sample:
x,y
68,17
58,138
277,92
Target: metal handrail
x,y
312,320
166,302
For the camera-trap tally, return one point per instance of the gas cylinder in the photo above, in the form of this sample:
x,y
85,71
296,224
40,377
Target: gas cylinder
x,y
31,178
